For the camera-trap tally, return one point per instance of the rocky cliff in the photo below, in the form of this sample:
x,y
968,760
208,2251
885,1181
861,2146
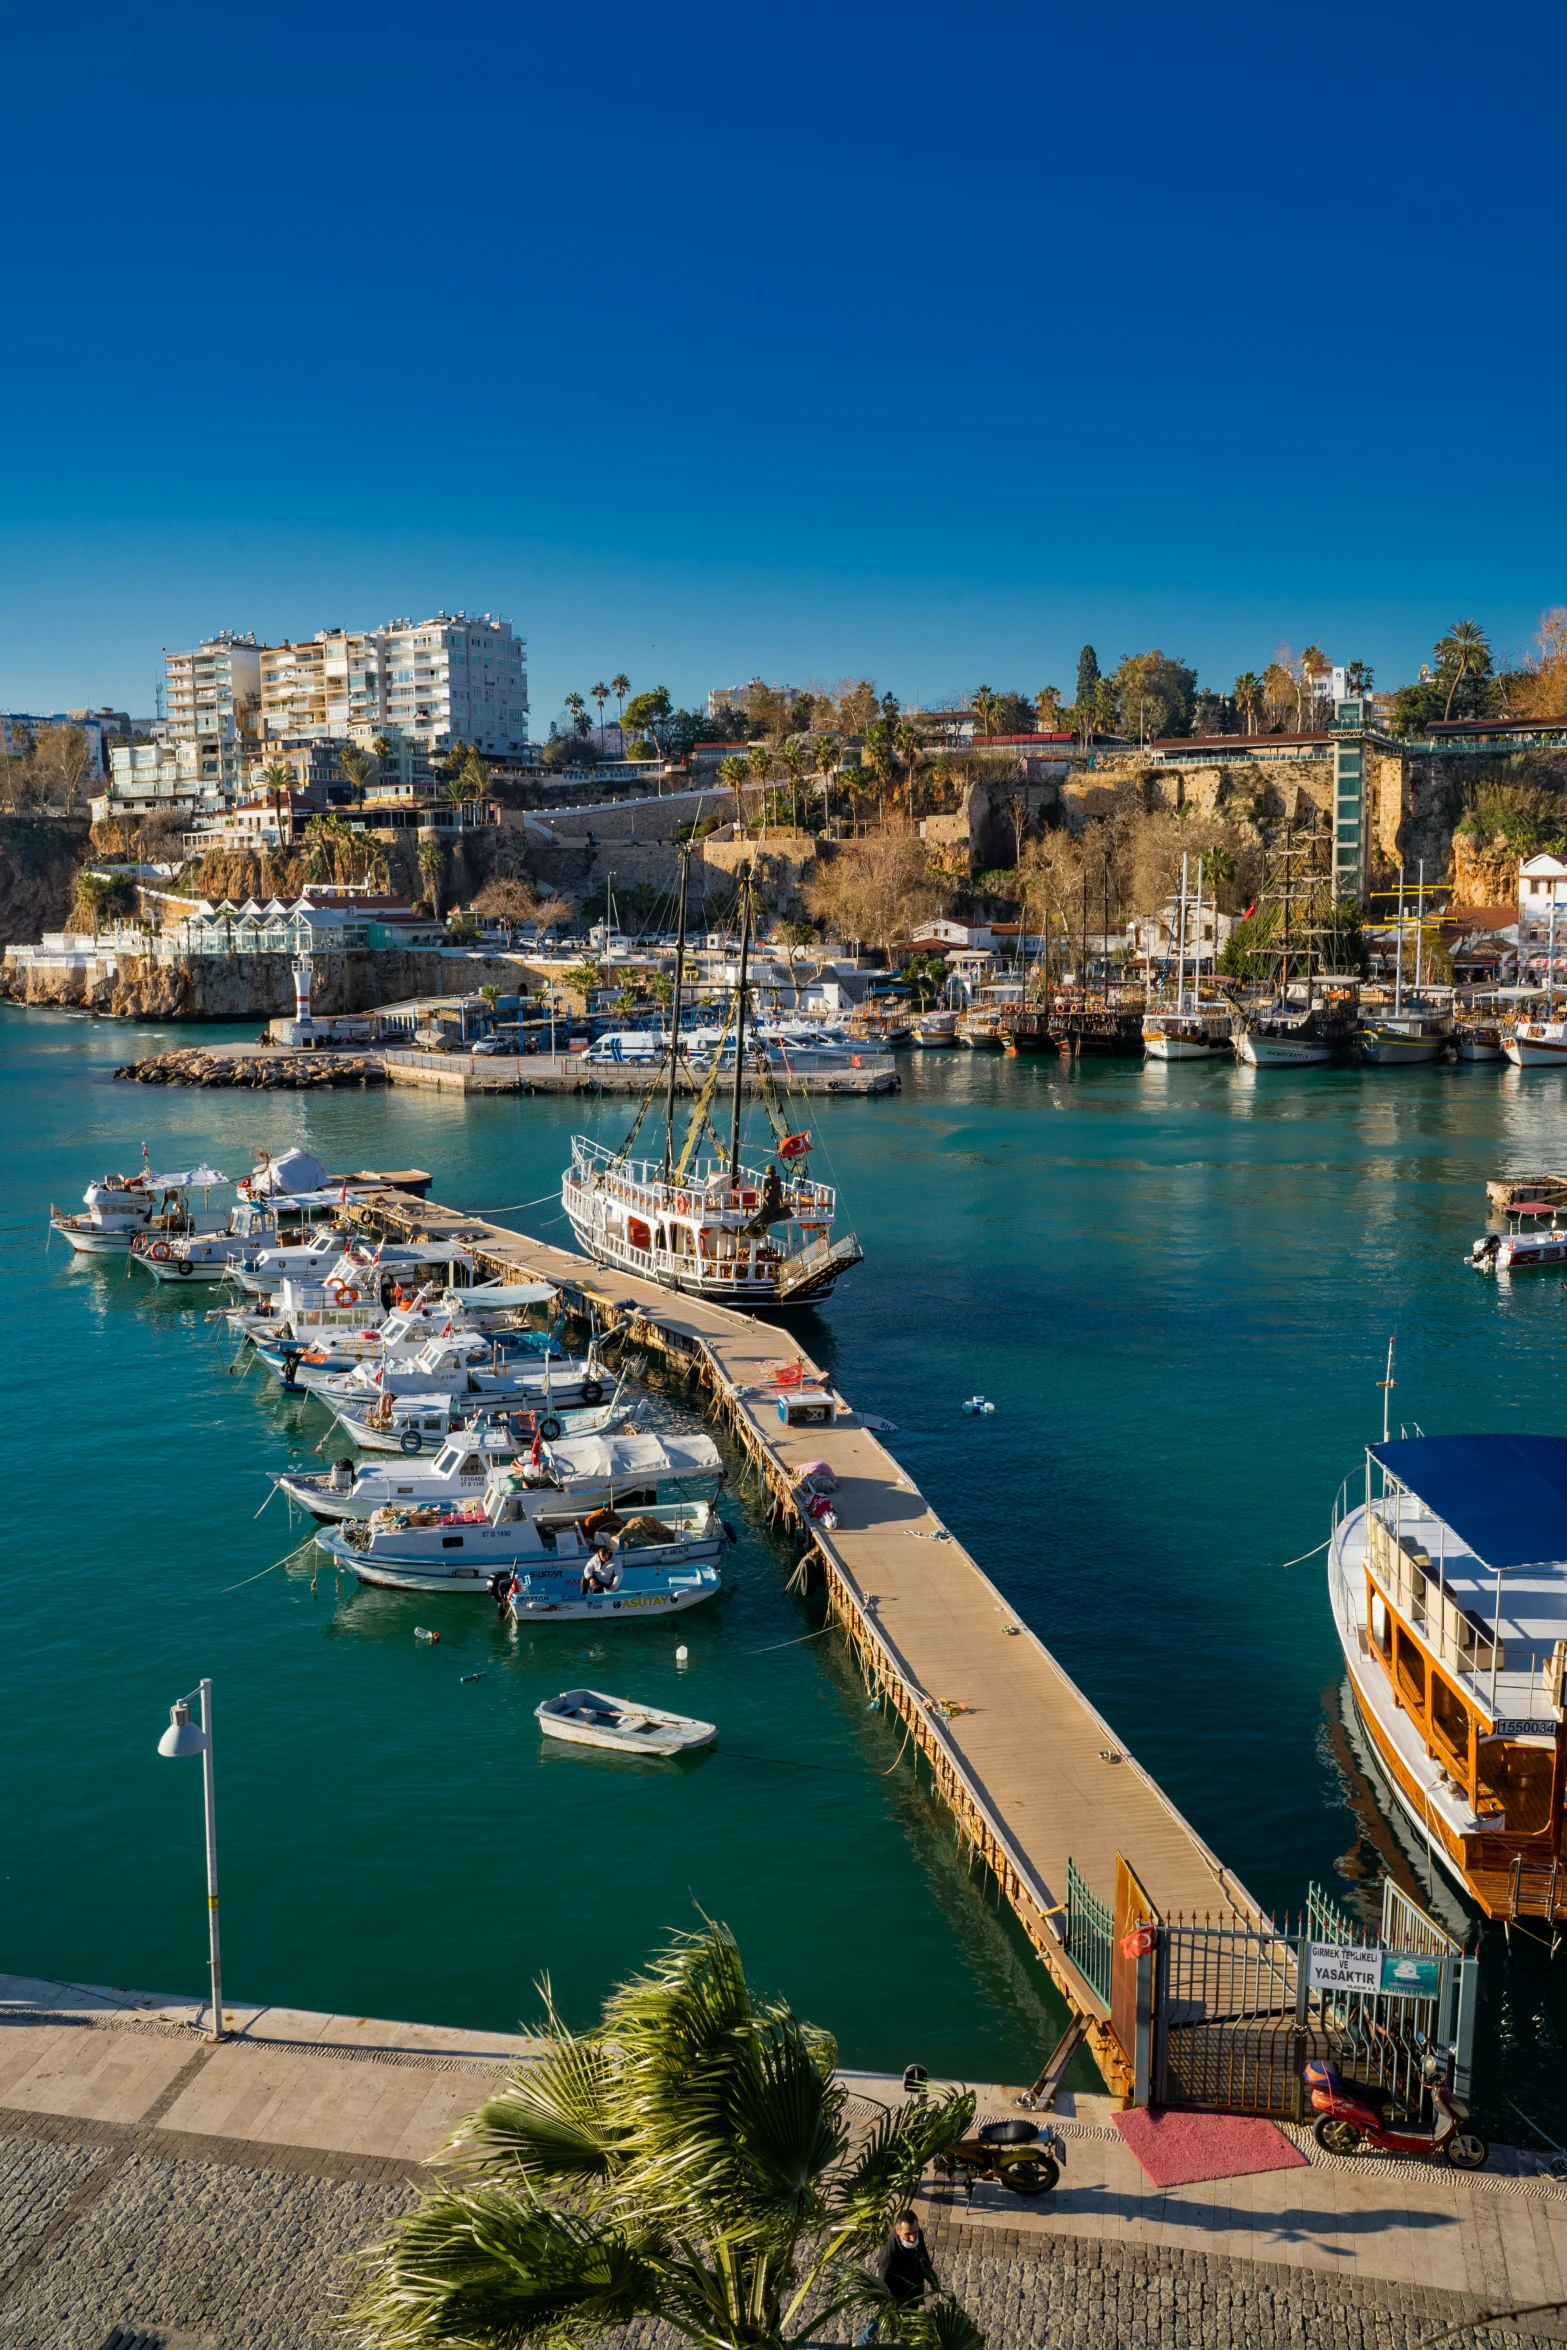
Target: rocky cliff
x,y
40,857
249,987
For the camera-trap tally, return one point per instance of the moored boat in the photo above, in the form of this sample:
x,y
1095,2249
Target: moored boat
x,y
936,1028
1190,1030
1537,1044
126,1210
1528,1242
415,1424
587,1717
622,1471
1447,1574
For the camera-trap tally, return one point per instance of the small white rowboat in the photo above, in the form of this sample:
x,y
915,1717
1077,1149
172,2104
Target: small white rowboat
x,y
586,1717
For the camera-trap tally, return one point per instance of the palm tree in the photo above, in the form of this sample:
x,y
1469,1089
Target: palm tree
x,y
827,768
1248,697
579,712
736,773
793,758
689,2160
906,743
599,694
355,766
1466,650
431,860
987,709
620,686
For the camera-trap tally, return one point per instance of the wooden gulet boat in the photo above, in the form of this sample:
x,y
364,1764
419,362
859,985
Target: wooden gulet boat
x,y
1447,1575
587,1717
712,1227
1193,1030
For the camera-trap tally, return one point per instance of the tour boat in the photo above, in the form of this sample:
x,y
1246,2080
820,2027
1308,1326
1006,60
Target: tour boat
x,y
936,1028
1537,1044
1478,1038
1447,1574
1192,1030
1420,1027
623,1471
541,1545
1526,1242
710,1226
464,1364
586,1717
1296,1035
122,1209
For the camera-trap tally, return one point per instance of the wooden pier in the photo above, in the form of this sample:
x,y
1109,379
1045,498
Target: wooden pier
x,y
1033,1774
569,1073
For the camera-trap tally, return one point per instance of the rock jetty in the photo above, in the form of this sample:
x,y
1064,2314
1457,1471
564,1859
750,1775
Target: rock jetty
x,y
291,1072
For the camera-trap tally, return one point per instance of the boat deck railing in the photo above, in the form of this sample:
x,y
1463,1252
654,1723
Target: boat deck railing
x,y
641,1184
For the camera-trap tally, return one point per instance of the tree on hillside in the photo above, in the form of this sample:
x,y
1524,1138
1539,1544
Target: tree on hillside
x,y
620,686
874,889
855,706
646,713
600,695
1050,710
1465,651
987,710
826,748
1087,673
1358,676
906,743
735,773
1154,695
432,861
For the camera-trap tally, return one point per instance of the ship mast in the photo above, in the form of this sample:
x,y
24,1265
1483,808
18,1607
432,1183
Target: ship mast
x,y
745,951
684,862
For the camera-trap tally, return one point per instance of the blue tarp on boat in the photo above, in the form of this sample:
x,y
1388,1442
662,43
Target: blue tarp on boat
x,y
1505,1497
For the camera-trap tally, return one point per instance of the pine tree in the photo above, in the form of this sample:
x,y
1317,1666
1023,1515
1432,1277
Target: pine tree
x,y
1087,673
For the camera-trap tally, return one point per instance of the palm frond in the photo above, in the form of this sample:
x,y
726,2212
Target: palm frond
x,y
941,2324
885,2170
555,2120
482,2270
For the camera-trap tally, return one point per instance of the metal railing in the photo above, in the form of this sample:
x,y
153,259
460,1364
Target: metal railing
x,y
1090,1930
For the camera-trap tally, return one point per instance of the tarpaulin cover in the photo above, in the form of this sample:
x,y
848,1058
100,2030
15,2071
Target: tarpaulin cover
x,y
1505,1497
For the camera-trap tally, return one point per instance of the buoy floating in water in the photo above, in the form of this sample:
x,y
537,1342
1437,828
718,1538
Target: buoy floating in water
x,y
682,1655
979,1405
421,1634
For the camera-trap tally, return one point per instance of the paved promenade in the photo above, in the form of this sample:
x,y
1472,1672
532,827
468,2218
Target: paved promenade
x,y
207,2199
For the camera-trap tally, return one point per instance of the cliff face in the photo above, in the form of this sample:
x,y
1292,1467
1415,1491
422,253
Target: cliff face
x,y
248,987
1483,874
40,857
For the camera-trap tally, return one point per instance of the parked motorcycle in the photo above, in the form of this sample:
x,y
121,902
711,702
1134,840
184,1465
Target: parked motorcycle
x,y
1020,2156
1352,2114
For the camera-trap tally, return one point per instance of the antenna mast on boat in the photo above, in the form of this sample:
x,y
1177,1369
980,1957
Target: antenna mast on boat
x,y
683,861
1420,925
1398,966
1387,1386
745,952
1180,952
1197,945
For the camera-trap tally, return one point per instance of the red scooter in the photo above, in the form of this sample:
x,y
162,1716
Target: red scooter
x,y
1352,2114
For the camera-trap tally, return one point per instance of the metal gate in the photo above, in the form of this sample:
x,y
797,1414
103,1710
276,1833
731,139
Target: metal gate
x,y
1240,2008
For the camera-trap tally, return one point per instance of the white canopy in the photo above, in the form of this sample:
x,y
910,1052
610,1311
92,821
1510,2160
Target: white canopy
x,y
197,1179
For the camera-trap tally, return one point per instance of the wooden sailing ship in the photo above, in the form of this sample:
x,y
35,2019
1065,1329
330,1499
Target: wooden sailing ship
x,y
707,1223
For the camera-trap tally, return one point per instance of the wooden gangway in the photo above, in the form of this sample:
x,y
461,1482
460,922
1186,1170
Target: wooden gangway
x,y
1032,1771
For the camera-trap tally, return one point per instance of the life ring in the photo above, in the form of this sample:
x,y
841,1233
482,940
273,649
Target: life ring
x,y
159,1252
344,1292
186,1266
550,1428
682,1204
411,1441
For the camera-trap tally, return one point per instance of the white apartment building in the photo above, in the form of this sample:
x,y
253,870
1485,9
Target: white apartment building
x,y
1542,883
456,677
213,699
156,779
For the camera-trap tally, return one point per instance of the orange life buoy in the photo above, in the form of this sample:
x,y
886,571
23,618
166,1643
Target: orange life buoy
x,y
344,1293
682,1204
160,1250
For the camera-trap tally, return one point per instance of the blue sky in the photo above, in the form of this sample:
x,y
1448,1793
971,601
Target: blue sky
x,y
702,342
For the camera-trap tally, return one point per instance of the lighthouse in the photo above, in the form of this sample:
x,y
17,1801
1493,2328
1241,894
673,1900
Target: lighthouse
x,y
301,1028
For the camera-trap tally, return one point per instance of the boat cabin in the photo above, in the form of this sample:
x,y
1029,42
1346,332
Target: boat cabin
x,y
1449,1576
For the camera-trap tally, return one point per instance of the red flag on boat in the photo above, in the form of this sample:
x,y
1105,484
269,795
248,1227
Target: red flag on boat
x,y
794,1146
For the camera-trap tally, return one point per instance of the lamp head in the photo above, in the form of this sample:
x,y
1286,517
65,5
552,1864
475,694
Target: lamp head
x,y
183,1736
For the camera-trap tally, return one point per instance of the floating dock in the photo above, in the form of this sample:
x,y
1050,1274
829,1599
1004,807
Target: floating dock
x,y
1041,1788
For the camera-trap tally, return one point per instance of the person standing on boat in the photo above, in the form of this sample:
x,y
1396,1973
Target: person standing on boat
x,y
904,2267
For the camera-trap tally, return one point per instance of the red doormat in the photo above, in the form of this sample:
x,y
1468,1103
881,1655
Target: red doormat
x,y
1176,2148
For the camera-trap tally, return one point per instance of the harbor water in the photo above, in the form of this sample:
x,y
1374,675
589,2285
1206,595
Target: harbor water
x,y
1175,1282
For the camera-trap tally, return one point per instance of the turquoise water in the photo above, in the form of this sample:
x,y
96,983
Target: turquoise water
x,y
1177,1283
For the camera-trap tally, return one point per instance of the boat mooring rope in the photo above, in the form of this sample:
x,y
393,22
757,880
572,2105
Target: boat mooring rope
x,y
1307,1554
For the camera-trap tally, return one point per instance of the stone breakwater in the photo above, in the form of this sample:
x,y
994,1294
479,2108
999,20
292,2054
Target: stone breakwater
x,y
284,1072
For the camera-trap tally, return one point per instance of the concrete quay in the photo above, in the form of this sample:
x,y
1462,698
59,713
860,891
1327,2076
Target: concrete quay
x,y
211,2198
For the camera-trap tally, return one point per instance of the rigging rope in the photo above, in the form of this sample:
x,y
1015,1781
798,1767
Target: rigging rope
x,y
1307,1554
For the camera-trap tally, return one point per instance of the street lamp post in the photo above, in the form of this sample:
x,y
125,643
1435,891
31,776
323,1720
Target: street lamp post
x,y
182,1737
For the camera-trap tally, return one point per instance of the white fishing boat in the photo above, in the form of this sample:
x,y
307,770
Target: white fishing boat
x,y
554,1563
1537,1044
587,1717
125,1209
414,1424
1529,1242
317,1333
1189,1030
252,1224
1448,1587
462,1365
936,1028
626,1470
711,1226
